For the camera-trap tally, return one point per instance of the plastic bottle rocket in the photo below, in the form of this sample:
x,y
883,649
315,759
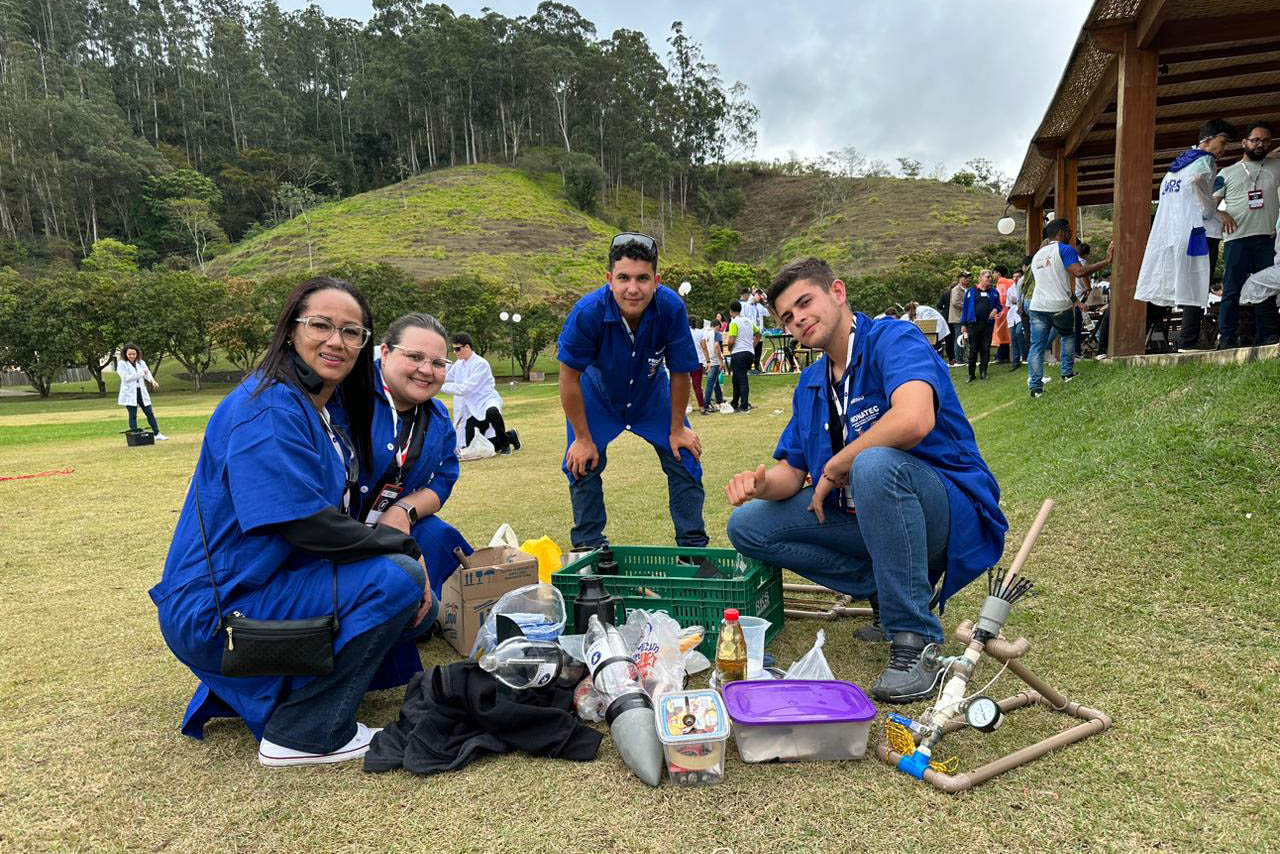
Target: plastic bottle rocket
x,y
630,711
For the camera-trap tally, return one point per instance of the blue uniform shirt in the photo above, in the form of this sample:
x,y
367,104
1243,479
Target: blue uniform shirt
x,y
625,379
886,354
436,469
266,459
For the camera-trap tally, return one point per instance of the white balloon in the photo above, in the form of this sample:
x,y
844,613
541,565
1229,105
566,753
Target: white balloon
x,y
684,289
516,317
503,316
1006,225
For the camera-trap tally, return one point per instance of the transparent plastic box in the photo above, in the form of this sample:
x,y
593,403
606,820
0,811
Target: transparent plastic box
x,y
799,719
694,730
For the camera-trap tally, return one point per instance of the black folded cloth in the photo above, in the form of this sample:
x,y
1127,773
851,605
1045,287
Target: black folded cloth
x,y
457,713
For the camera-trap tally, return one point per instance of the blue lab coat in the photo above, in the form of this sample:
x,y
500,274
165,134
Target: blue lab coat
x,y
266,459
887,354
625,379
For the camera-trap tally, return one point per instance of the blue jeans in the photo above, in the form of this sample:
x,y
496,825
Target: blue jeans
x,y
1017,352
1042,335
685,497
1241,259
894,546
133,415
320,716
713,385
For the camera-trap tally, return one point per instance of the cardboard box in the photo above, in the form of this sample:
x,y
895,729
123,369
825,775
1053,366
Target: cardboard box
x,y
470,593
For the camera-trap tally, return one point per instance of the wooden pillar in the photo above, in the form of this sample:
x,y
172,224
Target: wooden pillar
x,y
1135,144
1064,192
1035,227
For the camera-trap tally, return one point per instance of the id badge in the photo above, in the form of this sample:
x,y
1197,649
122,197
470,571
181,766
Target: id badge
x,y
1255,200
385,499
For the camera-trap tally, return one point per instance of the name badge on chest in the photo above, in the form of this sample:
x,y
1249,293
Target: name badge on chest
x,y
388,496
1255,199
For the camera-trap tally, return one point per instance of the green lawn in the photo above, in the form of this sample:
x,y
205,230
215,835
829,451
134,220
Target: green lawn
x,y
1157,577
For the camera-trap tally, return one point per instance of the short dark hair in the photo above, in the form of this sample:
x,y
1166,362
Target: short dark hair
x,y
1002,270
463,339
634,250
809,269
1083,250
1264,125
965,274
891,311
1218,127
1056,227
1027,259
735,306
694,322
412,320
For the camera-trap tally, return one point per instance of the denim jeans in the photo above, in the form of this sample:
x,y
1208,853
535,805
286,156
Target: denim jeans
x,y
320,716
133,418
685,497
892,546
1017,352
1042,335
1242,258
713,385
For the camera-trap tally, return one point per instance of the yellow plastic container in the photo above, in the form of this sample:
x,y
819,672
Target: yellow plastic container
x,y
548,554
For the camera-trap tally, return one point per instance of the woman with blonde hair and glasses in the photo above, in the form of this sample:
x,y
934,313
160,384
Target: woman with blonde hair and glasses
x,y
266,534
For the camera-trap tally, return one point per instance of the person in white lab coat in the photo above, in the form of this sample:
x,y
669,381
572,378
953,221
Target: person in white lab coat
x,y
477,407
135,376
1175,266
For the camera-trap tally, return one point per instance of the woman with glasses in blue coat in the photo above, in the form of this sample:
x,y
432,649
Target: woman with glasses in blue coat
x,y
267,520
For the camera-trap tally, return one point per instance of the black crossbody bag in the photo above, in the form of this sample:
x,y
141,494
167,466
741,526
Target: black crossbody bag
x,y
272,647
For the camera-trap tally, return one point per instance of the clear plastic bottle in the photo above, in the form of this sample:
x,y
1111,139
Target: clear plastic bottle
x,y
731,650
524,663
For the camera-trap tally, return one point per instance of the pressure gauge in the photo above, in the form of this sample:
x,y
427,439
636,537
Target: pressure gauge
x,y
983,714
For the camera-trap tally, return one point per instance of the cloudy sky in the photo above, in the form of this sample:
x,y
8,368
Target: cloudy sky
x,y
936,80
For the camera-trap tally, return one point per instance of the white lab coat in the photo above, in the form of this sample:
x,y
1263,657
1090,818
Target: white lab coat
x,y
471,383
1169,276
133,378
925,312
1264,284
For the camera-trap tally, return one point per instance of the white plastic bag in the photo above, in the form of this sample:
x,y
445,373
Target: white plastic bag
x,y
661,649
813,664
537,608
504,536
479,448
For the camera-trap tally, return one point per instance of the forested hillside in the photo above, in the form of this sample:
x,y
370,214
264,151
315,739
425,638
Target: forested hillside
x,y
178,126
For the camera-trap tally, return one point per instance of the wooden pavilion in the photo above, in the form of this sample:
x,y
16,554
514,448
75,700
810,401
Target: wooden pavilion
x,y
1144,75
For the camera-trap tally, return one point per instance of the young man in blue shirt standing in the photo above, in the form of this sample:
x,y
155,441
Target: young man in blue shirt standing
x,y
626,358
900,496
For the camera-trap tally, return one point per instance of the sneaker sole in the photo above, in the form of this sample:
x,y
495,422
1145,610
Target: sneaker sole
x,y
323,759
909,698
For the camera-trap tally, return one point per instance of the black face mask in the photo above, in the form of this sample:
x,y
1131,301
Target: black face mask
x,y
307,378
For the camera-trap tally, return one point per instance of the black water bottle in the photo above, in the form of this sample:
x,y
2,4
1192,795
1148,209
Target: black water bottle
x,y
607,565
592,598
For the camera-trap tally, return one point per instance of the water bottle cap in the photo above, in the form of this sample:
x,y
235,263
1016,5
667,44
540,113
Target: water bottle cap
x,y
731,614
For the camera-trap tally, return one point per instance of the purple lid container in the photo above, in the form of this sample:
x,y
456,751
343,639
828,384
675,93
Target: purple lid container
x,y
786,702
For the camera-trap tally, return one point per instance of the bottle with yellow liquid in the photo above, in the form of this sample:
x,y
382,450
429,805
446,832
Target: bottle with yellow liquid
x,y
731,650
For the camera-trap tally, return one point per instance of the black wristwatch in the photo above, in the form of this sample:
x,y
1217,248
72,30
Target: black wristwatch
x,y
409,509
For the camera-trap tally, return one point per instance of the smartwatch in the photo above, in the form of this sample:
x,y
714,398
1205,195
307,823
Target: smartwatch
x,y
409,510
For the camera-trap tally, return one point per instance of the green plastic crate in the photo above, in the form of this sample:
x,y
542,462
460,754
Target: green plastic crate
x,y
701,601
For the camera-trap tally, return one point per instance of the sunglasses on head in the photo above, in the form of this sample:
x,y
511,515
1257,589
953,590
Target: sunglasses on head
x,y
457,348
634,237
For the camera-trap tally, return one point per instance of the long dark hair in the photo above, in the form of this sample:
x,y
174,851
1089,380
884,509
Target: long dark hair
x,y
124,354
356,390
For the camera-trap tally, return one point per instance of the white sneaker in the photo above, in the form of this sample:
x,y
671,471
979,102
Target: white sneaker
x,y
275,756
160,437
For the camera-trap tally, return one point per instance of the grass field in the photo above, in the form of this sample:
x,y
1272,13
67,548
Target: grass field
x,y
1157,577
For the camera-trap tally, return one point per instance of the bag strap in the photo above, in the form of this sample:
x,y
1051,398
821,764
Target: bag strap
x,y
213,582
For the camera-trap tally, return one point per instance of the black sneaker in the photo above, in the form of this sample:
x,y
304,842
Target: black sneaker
x,y
505,452
873,633
1069,377
1037,392
906,679
971,379
513,438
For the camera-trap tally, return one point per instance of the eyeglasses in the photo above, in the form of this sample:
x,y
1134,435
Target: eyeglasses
x,y
634,237
457,348
1260,140
417,358
321,329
